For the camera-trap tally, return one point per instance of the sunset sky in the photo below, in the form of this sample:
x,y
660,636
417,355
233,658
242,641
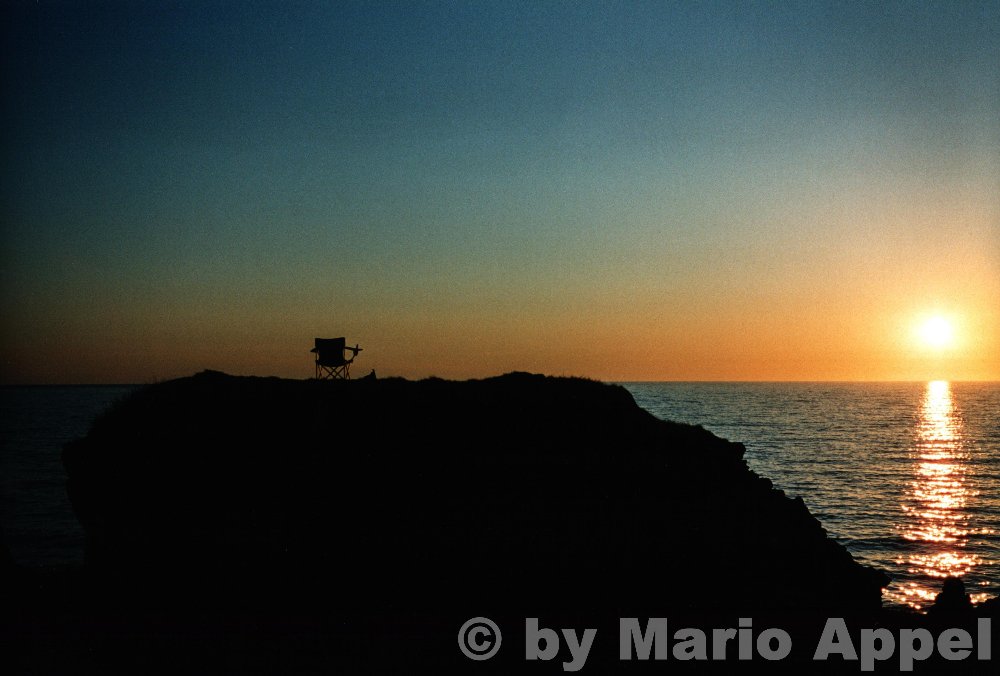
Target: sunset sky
x,y
619,190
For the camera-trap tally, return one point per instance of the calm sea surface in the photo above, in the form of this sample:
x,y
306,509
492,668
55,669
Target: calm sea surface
x,y
906,476
37,521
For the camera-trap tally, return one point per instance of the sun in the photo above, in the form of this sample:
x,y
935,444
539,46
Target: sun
x,y
936,332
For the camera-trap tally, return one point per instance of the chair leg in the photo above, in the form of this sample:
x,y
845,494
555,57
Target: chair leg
x,y
333,372
325,372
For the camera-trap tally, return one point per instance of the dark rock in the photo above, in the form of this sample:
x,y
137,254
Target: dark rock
x,y
953,603
433,484
512,496
989,607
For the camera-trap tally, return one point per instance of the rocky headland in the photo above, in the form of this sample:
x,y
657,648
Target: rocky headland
x,y
556,487
246,523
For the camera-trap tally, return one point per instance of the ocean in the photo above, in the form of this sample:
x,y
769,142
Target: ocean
x,y
36,520
905,475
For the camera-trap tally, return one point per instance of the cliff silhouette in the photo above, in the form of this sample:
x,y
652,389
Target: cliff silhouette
x,y
259,524
543,485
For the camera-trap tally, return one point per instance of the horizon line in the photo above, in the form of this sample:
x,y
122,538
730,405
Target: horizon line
x,y
720,381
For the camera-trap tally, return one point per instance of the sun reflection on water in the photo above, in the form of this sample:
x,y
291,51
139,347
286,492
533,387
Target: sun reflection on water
x,y
936,520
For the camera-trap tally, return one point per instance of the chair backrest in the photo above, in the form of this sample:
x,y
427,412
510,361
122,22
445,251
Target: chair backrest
x,y
330,351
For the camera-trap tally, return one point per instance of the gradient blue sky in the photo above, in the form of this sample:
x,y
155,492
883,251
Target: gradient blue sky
x,y
622,190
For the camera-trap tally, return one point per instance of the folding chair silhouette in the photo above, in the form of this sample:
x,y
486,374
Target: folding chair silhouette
x,y
331,360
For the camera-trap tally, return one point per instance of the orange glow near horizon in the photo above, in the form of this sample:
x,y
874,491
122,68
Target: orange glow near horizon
x,y
687,339
852,309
